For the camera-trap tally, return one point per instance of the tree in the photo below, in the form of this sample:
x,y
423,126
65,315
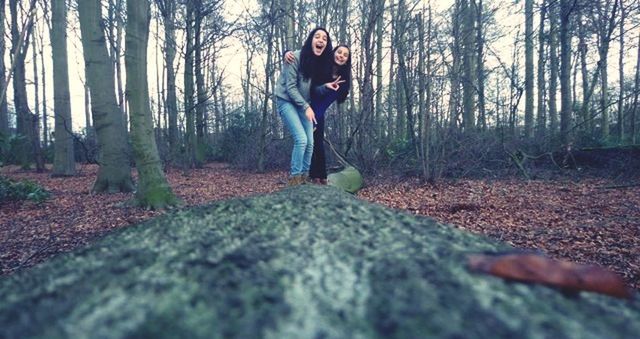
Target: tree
x,y
542,112
168,11
528,77
153,190
468,66
566,7
114,174
554,63
27,122
64,159
620,129
4,114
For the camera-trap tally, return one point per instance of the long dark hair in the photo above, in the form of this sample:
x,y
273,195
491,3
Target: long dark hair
x,y
310,64
344,72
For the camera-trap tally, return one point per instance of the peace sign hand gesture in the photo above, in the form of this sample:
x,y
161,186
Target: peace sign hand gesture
x,y
335,85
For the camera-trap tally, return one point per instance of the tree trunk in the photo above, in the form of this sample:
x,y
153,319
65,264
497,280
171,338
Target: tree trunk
x,y
566,8
582,47
201,94
189,107
45,116
542,112
554,62
468,65
391,93
480,64
153,190
172,99
634,111
379,81
262,130
64,159
114,174
25,120
620,129
528,78
4,112
454,74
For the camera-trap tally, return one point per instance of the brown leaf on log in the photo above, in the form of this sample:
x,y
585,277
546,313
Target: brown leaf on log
x,y
568,276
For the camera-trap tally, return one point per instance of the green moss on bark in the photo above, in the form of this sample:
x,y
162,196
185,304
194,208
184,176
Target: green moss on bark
x,y
305,262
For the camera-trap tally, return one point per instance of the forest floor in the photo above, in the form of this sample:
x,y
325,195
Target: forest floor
x,y
590,220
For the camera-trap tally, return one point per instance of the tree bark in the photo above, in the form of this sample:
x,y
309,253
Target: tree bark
x,y
566,7
114,174
468,65
634,111
168,11
620,129
153,190
201,94
542,112
189,107
554,62
582,47
528,78
482,120
4,112
64,159
25,120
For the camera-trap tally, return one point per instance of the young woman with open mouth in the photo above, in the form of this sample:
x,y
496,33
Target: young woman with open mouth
x,y
332,84
293,99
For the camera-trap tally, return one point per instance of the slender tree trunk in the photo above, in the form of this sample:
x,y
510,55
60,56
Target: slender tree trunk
x,y
201,94
262,137
633,121
620,129
565,70
542,113
153,190
172,98
480,64
114,174
45,116
379,86
189,107
25,120
468,64
64,159
582,47
4,113
36,78
36,123
554,62
528,78
455,74
391,95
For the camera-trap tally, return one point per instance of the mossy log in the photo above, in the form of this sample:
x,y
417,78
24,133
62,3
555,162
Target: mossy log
x,y
306,262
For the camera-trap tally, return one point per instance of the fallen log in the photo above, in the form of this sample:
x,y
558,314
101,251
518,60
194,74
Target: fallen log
x,y
306,262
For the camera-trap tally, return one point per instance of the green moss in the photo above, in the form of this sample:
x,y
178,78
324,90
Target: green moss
x,y
305,262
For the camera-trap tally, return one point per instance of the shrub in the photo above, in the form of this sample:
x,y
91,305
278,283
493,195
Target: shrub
x,y
11,190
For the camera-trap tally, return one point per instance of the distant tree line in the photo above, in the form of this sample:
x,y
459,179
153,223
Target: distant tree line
x,y
436,92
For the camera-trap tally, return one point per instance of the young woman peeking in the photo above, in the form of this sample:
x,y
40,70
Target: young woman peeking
x,y
333,83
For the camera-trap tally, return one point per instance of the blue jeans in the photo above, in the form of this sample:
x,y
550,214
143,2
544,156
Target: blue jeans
x,y
302,131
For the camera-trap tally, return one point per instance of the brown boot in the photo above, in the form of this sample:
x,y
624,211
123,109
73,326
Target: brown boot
x,y
295,180
322,181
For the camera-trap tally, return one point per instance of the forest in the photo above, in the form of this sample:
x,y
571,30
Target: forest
x,y
517,120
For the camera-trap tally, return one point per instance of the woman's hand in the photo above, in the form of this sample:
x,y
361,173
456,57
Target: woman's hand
x,y
311,116
334,85
289,57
